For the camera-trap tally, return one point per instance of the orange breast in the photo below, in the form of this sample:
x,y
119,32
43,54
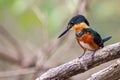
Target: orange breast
x,y
87,42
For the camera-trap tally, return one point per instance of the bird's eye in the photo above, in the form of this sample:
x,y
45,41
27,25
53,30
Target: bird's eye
x,y
71,23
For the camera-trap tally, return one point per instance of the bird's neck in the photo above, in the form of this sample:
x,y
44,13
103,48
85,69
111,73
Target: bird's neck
x,y
79,27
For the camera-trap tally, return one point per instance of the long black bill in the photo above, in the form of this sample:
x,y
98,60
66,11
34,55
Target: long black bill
x,y
65,31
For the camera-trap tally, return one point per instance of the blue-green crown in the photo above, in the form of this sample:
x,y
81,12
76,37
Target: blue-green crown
x,y
78,19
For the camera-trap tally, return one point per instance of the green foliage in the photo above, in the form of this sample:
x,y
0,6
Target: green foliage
x,y
28,19
6,3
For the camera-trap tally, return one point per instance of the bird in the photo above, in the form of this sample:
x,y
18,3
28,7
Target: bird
x,y
87,38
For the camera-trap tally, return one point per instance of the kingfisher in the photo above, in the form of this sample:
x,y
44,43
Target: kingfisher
x,y
87,38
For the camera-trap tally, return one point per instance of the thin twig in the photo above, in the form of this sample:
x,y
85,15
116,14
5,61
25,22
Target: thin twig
x,y
17,72
16,45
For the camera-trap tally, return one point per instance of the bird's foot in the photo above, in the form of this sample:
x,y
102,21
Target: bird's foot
x,y
83,62
92,56
82,55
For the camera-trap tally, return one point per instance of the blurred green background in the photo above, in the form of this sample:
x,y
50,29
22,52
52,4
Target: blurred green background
x,y
25,18
41,21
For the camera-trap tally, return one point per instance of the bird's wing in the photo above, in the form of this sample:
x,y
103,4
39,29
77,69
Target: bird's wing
x,y
97,38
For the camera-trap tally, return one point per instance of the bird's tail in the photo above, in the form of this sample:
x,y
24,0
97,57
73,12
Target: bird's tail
x,y
106,39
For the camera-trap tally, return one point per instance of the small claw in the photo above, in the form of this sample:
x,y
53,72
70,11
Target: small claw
x,y
84,63
93,55
82,55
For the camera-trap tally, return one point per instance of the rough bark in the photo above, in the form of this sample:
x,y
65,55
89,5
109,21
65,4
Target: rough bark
x,y
110,73
80,65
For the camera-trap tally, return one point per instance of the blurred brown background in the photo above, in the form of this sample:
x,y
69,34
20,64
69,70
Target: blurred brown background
x,y
29,30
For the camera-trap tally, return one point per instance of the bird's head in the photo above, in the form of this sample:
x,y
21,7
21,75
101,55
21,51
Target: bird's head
x,y
77,23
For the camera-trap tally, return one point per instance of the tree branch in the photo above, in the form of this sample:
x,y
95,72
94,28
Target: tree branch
x,y
13,41
82,7
18,72
77,65
110,73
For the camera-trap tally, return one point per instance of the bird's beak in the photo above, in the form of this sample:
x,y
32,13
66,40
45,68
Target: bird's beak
x,y
65,31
